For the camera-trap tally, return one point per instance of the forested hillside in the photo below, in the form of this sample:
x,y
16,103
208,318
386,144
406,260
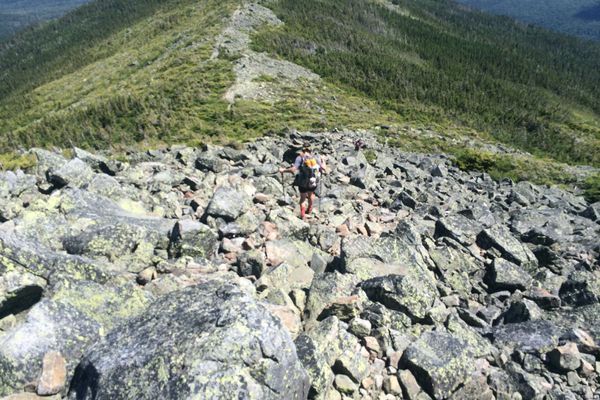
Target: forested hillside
x,y
429,60
574,17
18,14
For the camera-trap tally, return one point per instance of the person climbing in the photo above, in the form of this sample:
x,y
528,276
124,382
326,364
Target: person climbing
x,y
308,169
359,144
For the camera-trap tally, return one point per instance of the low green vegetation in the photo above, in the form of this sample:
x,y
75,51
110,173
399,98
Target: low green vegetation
x,y
13,161
591,188
517,168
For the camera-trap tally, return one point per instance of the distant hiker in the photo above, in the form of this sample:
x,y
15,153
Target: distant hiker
x,y
308,169
359,144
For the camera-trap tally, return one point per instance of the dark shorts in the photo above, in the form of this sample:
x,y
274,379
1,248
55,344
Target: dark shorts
x,y
306,190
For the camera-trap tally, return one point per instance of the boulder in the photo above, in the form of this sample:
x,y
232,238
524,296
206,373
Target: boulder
x,y
440,361
193,239
504,275
47,161
19,289
409,293
521,311
531,336
228,203
345,385
511,249
564,358
325,291
456,268
74,173
287,277
292,252
21,253
77,314
459,228
315,364
581,288
369,258
199,342
592,212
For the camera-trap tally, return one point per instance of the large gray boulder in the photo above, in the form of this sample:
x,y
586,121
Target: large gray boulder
x,y
228,203
369,258
581,288
504,275
19,289
440,361
500,238
409,293
192,239
205,341
75,173
529,336
77,315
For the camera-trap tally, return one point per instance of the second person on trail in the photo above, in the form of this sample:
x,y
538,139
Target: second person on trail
x,y
308,169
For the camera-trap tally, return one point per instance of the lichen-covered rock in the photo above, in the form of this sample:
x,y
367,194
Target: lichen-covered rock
x,y
505,275
456,268
228,203
582,288
19,289
511,249
325,290
44,262
521,311
287,277
76,315
193,239
206,341
411,294
459,228
369,258
74,173
49,326
530,336
440,361
315,364
47,160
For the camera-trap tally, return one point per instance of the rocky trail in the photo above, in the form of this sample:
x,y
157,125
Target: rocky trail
x,y
187,274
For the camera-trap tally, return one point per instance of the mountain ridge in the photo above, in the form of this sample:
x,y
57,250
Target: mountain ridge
x,y
157,80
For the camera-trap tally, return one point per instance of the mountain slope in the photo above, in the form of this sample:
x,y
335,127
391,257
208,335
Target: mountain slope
x,y
18,14
149,73
117,72
431,59
574,17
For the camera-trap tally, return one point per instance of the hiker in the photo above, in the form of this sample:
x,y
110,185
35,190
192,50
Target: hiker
x,y
359,144
308,169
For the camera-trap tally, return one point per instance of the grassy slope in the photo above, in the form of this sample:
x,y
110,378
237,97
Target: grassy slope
x,y
574,17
